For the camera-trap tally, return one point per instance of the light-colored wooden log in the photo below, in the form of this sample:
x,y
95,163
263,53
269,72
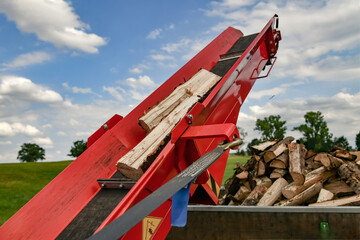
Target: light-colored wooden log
x,y
297,162
242,175
338,187
278,173
199,84
277,149
320,174
303,196
324,195
263,146
346,201
273,193
133,160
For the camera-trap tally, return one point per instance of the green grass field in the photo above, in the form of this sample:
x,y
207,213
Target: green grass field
x,y
19,182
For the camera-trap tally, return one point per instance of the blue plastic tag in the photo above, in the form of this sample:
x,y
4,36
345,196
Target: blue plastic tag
x,y
179,207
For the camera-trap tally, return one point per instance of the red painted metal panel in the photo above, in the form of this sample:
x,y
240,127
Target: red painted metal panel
x,y
103,129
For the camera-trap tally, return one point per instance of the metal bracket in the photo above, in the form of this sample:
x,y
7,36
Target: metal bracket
x,y
116,183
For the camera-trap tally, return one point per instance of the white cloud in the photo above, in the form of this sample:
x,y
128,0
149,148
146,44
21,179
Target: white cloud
x,y
44,142
77,89
52,21
9,130
61,133
22,88
310,44
28,59
135,70
176,47
141,82
154,34
161,57
114,91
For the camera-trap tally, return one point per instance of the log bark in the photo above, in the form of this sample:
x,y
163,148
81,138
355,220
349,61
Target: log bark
x,y
277,149
277,173
199,84
256,194
320,174
136,157
303,196
273,193
350,173
346,201
297,162
325,195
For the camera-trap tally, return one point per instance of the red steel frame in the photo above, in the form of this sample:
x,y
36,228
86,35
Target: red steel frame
x,y
54,207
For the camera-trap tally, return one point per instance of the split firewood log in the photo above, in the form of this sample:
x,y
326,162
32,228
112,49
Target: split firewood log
x,y
297,153
325,195
262,146
303,196
273,193
320,174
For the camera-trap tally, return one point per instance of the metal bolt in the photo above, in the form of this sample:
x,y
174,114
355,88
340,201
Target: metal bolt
x,y
105,127
103,185
271,42
272,50
121,186
190,118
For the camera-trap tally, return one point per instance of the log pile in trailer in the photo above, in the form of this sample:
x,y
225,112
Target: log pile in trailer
x,y
284,173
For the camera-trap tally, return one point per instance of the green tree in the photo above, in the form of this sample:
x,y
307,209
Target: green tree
x,y
78,148
357,141
342,142
316,135
31,152
271,127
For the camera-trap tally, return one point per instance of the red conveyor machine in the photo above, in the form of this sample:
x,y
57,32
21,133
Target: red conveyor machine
x,y
90,194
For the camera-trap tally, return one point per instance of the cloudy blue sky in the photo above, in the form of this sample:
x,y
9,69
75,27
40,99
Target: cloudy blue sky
x,y
67,66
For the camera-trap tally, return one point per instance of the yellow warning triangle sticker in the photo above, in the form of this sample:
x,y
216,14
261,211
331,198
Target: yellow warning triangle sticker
x,y
149,226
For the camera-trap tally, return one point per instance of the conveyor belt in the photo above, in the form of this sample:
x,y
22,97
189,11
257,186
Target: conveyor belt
x,y
96,211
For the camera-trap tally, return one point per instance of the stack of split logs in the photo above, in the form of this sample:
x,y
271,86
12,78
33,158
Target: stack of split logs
x,y
285,173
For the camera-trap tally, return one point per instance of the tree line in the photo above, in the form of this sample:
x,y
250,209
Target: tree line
x,y
315,133
32,152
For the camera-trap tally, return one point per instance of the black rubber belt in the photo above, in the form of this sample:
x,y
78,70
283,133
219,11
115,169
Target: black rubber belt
x,y
130,218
